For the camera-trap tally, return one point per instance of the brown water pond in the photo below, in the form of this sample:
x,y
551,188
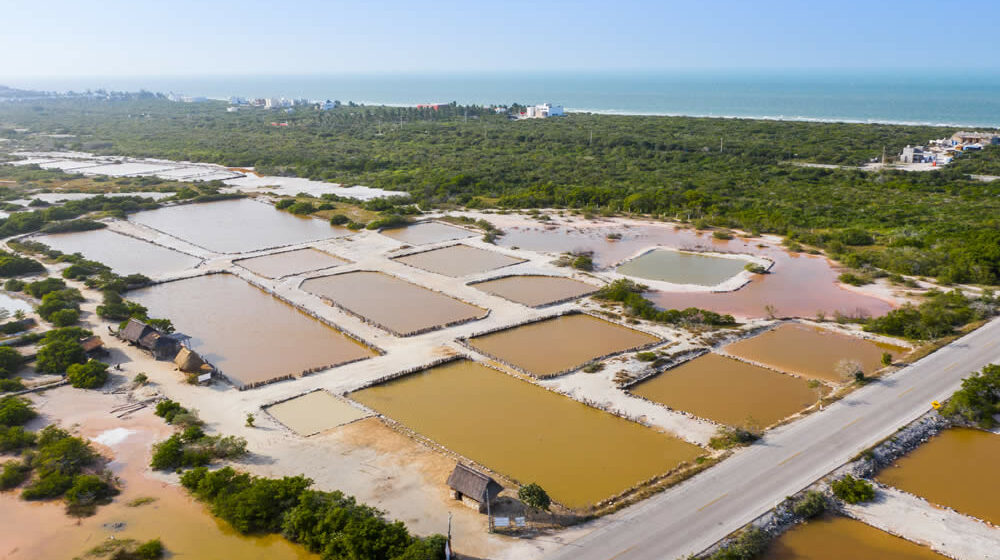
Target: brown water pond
x,y
536,291
799,285
315,412
458,260
290,263
427,232
676,267
392,303
730,391
956,468
236,226
125,255
249,335
811,351
552,346
579,454
840,538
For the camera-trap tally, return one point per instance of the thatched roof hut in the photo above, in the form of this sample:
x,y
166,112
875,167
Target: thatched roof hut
x,y
188,361
472,485
134,331
93,345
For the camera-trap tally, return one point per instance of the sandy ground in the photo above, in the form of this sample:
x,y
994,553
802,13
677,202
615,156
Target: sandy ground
x,y
946,531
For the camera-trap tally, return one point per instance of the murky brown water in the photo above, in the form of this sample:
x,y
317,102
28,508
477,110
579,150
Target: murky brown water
x,y
840,538
551,346
290,263
579,454
249,335
811,351
535,291
236,226
186,527
458,260
730,391
956,468
125,255
315,412
427,232
800,285
395,304
682,268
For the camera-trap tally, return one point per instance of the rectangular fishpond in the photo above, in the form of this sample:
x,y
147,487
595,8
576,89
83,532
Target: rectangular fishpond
x,y
424,233
290,263
458,260
839,538
678,267
729,391
580,455
956,468
236,226
536,291
553,346
125,255
811,351
315,412
250,336
391,303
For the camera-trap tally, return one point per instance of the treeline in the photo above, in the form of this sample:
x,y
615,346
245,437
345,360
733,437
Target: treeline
x,y
978,401
722,172
940,314
330,524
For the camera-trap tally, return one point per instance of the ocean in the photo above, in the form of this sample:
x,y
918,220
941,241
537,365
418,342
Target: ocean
x,y
934,97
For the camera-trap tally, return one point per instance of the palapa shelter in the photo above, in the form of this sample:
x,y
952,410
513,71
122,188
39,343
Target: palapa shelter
x,y
162,346
93,346
134,331
188,361
474,488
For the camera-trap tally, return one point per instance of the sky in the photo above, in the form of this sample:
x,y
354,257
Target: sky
x,y
213,37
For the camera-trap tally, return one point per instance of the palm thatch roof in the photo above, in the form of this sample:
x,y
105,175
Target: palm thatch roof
x,y
135,330
188,361
473,484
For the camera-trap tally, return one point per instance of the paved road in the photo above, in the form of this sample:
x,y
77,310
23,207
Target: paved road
x,y
692,516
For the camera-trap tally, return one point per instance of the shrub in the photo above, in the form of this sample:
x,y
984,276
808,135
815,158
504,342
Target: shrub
x,y
150,550
853,490
811,504
886,359
13,474
14,265
978,399
583,262
41,287
64,317
338,220
13,285
169,410
90,375
728,437
15,411
15,438
534,496
850,370
89,489
9,385
755,268
57,356
722,234
853,279
10,360
747,546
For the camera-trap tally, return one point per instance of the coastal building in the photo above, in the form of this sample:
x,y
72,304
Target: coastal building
x,y
272,103
914,154
328,105
473,488
984,138
543,111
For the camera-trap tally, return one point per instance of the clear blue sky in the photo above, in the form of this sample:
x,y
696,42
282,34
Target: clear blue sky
x,y
177,37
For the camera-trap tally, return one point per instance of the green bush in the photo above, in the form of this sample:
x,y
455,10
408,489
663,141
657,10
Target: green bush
x,y
41,287
89,375
10,361
936,316
338,220
629,294
59,355
853,490
15,411
728,437
150,550
810,505
64,317
13,285
15,438
534,496
583,262
14,473
89,489
14,265
979,398
747,546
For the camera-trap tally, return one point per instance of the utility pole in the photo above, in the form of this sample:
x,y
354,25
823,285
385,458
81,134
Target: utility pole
x,y
591,137
722,144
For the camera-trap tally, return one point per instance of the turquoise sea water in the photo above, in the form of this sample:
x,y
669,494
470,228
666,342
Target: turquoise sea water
x,y
949,97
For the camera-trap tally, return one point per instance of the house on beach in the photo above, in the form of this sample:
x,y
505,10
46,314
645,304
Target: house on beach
x,y
93,346
473,488
162,346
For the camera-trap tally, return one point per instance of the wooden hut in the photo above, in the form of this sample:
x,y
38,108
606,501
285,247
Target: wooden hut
x,y
134,331
93,346
473,488
188,361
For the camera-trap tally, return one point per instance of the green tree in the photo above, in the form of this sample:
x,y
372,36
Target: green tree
x,y
89,375
534,496
10,360
853,490
57,356
15,411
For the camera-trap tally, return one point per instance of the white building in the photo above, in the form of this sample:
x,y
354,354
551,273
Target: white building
x,y
543,111
272,103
